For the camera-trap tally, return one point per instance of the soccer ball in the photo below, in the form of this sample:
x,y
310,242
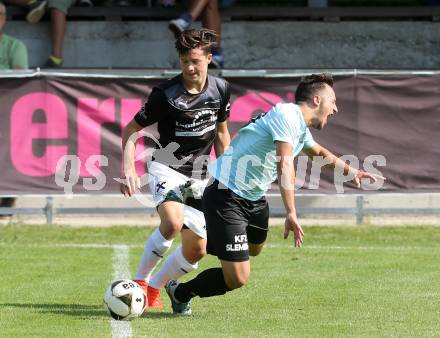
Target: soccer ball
x,y
125,299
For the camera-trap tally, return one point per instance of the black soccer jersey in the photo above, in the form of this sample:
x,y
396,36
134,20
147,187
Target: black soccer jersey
x,y
186,122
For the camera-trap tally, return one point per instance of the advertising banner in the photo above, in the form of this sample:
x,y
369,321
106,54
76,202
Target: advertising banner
x,y
61,134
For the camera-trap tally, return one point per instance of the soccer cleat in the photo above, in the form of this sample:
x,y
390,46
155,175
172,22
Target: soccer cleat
x,y
50,63
153,295
177,26
180,309
36,11
144,285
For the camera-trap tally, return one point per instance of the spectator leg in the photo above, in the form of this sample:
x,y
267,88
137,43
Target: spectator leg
x,y
211,19
197,7
58,29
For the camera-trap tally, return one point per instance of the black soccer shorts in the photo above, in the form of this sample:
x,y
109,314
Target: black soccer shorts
x,y
232,222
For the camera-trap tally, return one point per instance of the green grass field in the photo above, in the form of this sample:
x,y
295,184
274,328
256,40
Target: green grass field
x,y
344,282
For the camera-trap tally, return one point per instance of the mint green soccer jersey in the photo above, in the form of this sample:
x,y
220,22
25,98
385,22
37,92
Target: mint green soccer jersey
x,y
249,165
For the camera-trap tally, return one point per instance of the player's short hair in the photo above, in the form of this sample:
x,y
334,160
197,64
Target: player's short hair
x,y
310,85
196,38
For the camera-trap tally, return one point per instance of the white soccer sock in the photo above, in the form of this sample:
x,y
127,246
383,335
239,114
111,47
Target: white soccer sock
x,y
154,250
174,267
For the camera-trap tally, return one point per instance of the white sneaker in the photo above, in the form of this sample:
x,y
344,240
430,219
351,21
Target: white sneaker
x,y
36,11
177,26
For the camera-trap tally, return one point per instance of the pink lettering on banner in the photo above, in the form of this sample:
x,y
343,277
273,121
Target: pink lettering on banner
x,y
243,107
129,108
24,131
91,115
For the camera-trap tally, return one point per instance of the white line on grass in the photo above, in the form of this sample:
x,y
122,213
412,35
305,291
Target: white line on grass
x,y
121,254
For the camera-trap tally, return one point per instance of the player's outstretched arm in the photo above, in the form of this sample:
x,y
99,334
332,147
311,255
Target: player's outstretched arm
x,y
131,181
336,163
286,181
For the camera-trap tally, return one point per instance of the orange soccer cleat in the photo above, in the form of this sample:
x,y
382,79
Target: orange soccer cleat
x,y
153,295
154,298
144,285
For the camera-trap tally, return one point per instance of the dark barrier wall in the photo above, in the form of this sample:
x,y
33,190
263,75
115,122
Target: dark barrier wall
x,y
388,123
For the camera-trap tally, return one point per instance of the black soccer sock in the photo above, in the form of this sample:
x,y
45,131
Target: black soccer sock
x,y
208,283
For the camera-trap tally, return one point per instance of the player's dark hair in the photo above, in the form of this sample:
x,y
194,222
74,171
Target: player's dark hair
x,y
194,38
310,85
